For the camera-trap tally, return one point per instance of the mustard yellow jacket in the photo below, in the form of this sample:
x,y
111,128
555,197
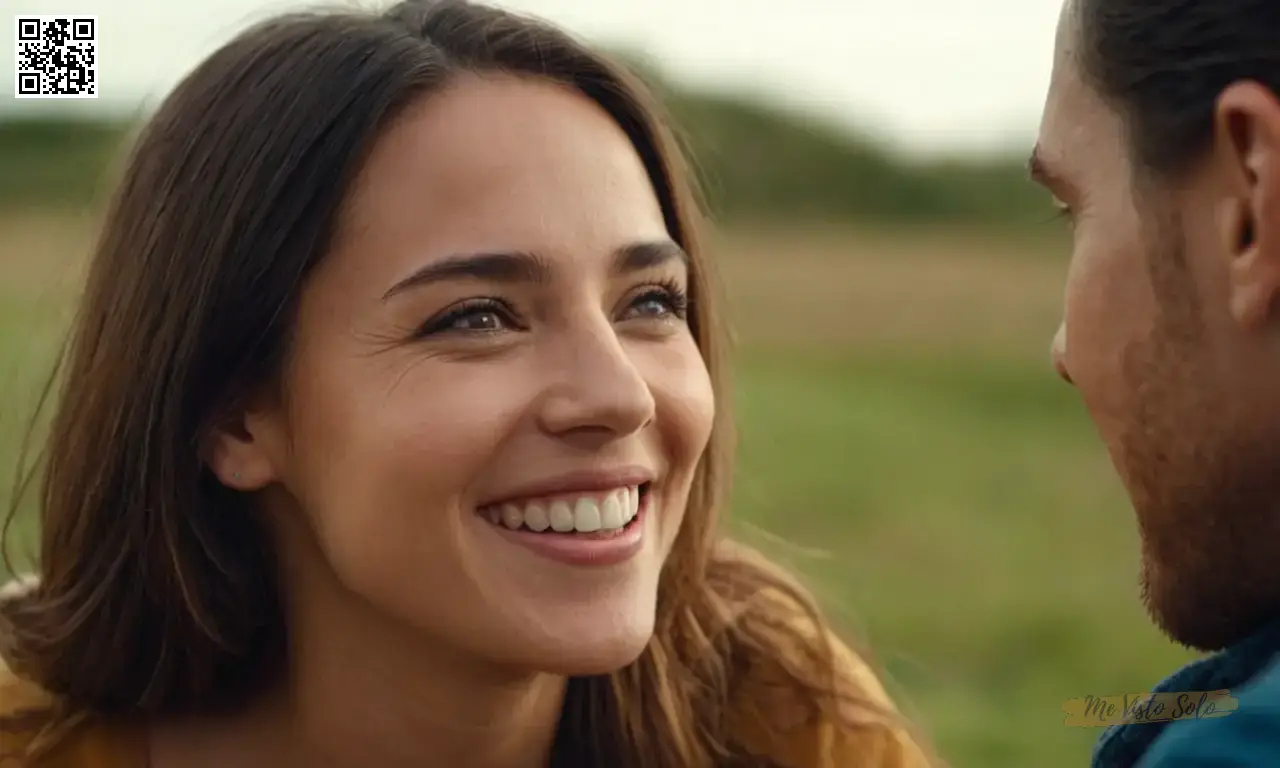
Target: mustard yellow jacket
x,y
98,745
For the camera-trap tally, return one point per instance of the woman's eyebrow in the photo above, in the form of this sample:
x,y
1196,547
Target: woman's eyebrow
x,y
526,267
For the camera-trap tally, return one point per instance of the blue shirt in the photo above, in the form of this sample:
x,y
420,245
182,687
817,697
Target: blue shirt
x,y
1249,736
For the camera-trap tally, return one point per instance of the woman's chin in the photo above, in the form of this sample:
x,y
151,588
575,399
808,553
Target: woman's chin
x,y
588,661
591,625
585,654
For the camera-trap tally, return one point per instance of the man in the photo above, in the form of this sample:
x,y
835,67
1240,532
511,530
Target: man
x,y
1160,140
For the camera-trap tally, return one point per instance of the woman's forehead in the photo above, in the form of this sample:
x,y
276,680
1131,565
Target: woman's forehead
x,y
502,163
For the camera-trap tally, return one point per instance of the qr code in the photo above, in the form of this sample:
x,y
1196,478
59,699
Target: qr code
x,y
57,57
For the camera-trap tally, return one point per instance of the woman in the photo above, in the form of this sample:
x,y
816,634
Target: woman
x,y
393,430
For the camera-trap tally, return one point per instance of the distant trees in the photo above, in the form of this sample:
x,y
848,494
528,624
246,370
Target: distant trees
x,y
755,162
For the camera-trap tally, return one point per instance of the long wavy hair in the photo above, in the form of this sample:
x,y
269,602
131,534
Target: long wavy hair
x,y
157,593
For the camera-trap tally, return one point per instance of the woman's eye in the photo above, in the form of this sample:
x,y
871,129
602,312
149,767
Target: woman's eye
x,y
658,304
652,307
475,317
478,320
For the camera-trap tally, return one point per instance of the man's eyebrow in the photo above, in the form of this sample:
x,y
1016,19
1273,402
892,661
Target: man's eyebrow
x,y
526,267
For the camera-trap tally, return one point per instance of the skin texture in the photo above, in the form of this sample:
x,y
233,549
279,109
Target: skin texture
x,y
1170,336
371,459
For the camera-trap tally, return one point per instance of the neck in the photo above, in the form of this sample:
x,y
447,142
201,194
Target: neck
x,y
368,706
365,690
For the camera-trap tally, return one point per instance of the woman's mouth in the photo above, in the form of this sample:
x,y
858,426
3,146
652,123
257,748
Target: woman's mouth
x,y
602,513
582,529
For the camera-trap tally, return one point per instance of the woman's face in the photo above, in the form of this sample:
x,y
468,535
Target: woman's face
x,y
495,406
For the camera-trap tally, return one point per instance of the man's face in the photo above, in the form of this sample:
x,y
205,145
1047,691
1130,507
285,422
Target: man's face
x,y
1153,338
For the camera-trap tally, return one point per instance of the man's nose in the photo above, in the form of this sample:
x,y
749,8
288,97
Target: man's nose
x,y
1059,353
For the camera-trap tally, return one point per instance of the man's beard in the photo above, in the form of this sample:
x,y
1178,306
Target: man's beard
x,y
1202,476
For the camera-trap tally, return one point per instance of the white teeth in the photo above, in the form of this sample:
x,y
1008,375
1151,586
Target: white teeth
x,y
561,517
535,517
585,514
611,511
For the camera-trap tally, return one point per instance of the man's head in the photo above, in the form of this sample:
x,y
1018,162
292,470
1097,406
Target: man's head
x,y
1161,141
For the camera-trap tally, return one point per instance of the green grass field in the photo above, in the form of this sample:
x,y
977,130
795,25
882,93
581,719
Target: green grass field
x,y
902,432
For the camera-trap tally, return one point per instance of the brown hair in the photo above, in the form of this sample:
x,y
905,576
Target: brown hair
x,y
157,593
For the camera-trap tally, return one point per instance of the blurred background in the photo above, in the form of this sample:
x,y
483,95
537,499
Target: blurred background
x,y
894,283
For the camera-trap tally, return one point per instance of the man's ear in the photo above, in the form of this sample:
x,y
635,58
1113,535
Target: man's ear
x,y
243,447
1247,150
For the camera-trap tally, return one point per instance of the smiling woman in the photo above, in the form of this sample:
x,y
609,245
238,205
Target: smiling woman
x,y
407,356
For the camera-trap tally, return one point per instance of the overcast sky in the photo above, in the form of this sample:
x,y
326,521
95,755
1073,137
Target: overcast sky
x,y
927,74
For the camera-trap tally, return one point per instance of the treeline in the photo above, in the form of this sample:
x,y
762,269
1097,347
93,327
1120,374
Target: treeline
x,y
755,162
51,162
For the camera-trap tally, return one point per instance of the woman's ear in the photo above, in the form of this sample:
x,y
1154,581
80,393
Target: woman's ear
x,y
242,449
